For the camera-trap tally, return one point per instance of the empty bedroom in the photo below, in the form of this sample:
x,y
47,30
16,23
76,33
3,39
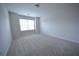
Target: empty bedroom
x,y
39,29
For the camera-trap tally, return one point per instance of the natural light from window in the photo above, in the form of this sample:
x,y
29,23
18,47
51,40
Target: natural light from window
x,y
26,24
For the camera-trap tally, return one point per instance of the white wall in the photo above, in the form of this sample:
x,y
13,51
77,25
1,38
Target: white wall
x,y
62,22
15,26
5,33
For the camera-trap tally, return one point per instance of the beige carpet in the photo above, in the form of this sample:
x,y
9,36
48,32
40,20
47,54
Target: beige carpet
x,y
42,45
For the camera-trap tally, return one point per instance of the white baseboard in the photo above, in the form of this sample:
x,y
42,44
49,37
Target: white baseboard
x,y
74,41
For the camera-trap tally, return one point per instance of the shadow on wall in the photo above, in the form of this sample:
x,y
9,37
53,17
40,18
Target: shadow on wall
x,y
5,33
15,25
62,22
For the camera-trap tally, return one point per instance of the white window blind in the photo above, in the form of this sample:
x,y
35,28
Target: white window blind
x,y
26,24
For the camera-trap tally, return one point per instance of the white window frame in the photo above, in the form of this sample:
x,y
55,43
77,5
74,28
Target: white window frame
x,y
27,26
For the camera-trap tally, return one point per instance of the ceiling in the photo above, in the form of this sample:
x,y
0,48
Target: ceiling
x,y
26,9
29,9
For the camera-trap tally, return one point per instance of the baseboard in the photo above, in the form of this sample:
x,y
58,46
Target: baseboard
x,y
63,38
67,39
9,47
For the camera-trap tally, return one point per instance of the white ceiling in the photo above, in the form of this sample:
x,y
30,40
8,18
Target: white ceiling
x,y
29,9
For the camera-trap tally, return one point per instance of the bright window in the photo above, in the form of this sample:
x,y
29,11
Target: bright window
x,y
26,24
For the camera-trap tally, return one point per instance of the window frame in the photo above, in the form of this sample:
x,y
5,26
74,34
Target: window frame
x,y
28,29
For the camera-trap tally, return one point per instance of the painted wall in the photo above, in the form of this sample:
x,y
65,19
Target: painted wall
x,y
62,22
15,26
5,33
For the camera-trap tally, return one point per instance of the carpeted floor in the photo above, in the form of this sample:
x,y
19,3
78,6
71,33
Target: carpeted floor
x,y
43,45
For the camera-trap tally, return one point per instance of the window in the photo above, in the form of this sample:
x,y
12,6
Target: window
x,y
26,24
